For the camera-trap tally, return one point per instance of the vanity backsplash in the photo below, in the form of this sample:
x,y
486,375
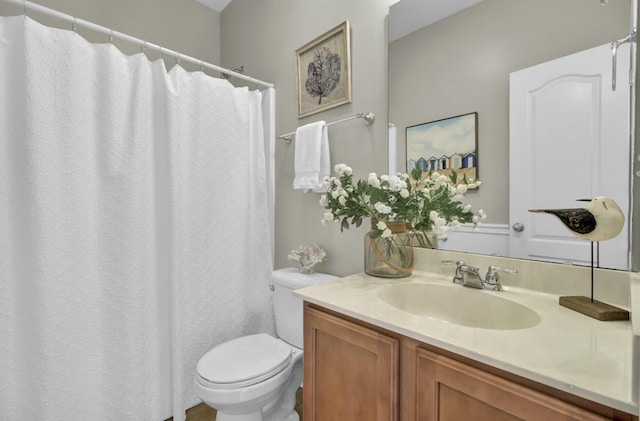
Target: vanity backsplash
x,y
610,286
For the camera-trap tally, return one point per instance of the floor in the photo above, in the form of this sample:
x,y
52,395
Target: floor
x,y
203,412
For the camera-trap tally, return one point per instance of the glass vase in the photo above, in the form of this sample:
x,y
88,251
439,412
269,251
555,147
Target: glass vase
x,y
425,239
390,257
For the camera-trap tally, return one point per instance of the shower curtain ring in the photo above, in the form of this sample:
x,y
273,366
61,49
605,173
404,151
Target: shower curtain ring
x,y
24,3
161,56
111,36
201,66
74,25
178,59
143,46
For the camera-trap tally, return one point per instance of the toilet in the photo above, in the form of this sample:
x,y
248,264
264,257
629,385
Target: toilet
x,y
255,377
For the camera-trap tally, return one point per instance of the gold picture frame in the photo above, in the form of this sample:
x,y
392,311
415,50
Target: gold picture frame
x,y
323,71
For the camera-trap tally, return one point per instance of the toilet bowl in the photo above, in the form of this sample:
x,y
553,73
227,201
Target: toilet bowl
x,y
255,377
253,391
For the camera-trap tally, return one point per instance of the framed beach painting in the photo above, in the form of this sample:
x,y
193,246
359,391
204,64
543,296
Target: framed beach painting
x,y
446,145
323,71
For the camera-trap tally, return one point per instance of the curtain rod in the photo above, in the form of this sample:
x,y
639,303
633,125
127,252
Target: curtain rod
x,y
75,22
369,118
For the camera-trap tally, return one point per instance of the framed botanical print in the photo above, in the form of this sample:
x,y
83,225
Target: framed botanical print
x,y
323,71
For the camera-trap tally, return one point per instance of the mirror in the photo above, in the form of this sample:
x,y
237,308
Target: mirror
x,y
458,61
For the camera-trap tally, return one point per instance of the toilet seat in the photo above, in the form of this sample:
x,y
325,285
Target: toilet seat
x,y
243,362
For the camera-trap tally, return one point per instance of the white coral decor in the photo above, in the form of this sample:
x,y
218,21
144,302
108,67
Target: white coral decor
x,y
307,257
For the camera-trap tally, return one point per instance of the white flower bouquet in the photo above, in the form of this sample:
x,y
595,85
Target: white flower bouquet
x,y
425,201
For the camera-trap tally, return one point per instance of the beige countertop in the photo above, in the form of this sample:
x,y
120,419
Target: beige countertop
x,y
566,350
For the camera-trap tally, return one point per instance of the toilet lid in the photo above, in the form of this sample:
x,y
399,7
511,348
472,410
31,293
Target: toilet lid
x,y
244,361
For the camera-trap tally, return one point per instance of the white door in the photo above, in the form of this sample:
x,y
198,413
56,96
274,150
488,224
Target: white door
x,y
568,139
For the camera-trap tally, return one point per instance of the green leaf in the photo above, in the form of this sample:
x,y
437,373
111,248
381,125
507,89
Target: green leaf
x,y
416,173
378,195
375,234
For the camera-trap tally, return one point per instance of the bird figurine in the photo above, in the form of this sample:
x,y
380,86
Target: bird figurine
x,y
602,219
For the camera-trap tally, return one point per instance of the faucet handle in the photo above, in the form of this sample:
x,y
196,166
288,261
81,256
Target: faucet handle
x,y
456,262
457,278
492,277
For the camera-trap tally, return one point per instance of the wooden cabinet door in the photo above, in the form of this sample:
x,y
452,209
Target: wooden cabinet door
x,y
451,390
350,372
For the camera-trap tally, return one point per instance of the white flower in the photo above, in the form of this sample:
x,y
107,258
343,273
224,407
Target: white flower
x,y
373,180
396,183
434,203
386,233
343,169
440,230
382,208
474,184
439,222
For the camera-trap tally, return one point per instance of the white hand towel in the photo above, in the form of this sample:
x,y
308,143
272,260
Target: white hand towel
x,y
312,162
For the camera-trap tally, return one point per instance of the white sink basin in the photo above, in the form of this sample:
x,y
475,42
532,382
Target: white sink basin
x,y
459,305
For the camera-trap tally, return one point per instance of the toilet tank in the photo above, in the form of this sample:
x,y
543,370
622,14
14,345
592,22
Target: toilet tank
x,y
287,307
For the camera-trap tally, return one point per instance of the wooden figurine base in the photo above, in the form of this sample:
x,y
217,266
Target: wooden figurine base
x,y
595,309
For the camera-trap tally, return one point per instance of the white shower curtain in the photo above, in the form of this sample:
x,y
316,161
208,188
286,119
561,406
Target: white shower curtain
x,y
134,228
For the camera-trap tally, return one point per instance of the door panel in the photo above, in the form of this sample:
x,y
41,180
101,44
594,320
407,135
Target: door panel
x,y
569,140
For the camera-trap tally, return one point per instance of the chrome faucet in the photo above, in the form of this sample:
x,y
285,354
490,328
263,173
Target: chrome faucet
x,y
457,278
469,276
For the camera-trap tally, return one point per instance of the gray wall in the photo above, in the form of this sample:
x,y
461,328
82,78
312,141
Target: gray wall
x,y
263,36
461,64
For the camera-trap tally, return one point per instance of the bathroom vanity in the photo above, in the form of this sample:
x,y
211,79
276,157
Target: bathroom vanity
x,y
371,353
